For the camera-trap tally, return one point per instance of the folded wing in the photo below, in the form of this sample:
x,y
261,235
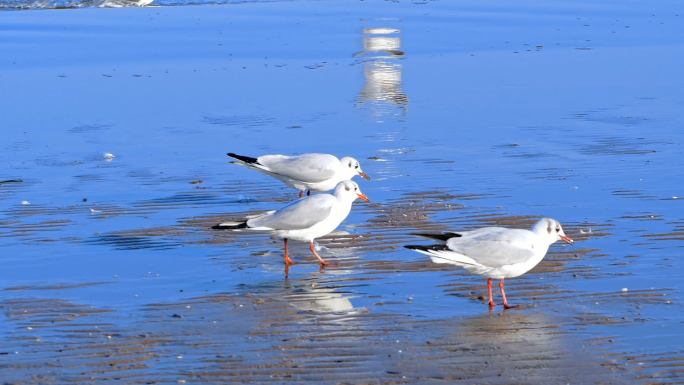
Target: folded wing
x,y
298,215
492,247
311,168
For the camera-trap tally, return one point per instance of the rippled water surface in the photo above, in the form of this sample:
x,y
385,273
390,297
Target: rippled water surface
x,y
115,129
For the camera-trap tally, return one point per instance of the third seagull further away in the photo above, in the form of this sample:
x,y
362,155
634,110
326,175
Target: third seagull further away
x,y
304,219
495,252
312,172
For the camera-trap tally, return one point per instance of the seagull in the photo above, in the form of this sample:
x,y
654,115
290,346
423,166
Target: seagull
x,y
312,172
495,252
304,219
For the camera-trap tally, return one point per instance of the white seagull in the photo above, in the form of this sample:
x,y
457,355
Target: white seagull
x,y
312,172
495,252
304,219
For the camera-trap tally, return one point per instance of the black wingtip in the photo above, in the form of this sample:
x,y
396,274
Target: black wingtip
x,y
427,248
221,226
245,159
440,237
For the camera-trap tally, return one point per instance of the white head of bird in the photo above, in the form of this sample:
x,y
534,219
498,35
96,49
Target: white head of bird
x,y
551,231
352,167
348,191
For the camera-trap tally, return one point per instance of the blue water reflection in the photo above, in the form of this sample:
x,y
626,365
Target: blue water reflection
x,y
382,69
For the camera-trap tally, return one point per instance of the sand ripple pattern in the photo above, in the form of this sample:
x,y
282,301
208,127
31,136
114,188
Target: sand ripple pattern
x,y
358,321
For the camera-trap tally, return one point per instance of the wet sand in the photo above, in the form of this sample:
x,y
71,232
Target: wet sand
x,y
463,115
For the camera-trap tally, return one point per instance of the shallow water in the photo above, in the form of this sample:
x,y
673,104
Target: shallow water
x,y
464,115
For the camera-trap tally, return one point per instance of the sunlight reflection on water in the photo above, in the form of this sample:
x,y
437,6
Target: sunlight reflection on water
x,y
383,72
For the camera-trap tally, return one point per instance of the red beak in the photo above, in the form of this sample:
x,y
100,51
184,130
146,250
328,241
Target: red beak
x,y
363,197
567,239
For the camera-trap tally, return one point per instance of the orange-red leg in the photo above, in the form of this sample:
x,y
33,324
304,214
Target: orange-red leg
x,y
503,295
301,194
313,250
491,298
288,261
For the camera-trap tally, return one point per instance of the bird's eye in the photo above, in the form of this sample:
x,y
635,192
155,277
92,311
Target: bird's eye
x,y
558,229
357,166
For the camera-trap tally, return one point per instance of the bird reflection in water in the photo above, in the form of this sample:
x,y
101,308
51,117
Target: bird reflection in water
x,y
382,69
319,300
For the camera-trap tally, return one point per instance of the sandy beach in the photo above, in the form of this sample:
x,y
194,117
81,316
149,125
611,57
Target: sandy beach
x,y
117,121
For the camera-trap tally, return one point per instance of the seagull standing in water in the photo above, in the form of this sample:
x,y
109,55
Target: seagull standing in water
x,y
304,219
312,172
495,252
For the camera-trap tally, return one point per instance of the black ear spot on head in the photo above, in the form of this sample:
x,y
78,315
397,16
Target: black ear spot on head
x,y
346,188
350,164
